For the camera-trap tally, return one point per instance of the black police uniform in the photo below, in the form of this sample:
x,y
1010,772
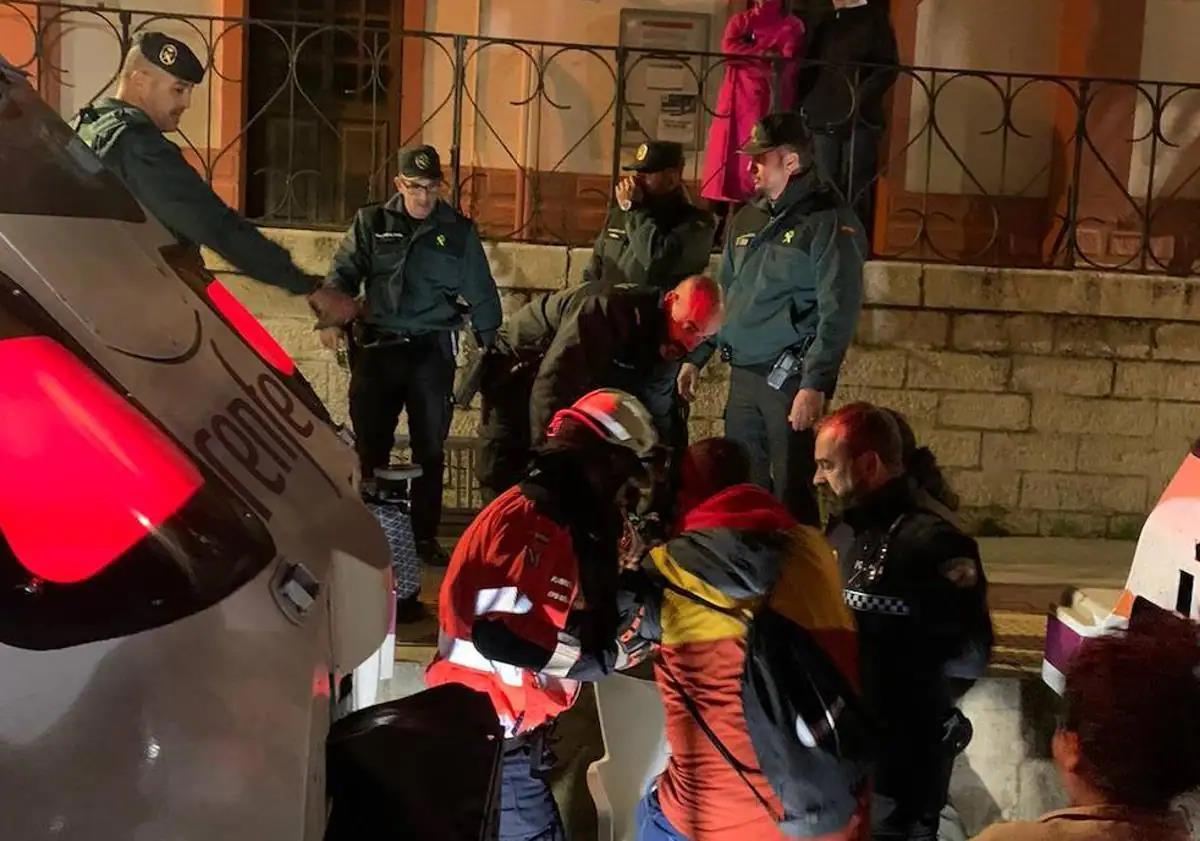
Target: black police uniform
x,y
155,171
421,279
919,595
792,275
660,240
556,349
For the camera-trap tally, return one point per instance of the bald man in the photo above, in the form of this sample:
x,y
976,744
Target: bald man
x,y
561,346
127,133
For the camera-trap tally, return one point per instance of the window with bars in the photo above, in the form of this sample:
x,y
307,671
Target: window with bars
x,y
319,141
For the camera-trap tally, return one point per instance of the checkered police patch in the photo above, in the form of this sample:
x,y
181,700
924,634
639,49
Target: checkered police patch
x,y
871,603
167,55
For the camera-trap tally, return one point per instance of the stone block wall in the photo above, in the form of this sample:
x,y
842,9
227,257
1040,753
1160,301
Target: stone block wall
x,y
1060,402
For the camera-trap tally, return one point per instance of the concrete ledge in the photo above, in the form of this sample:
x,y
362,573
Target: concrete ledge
x,y
312,251
893,284
1061,292
518,265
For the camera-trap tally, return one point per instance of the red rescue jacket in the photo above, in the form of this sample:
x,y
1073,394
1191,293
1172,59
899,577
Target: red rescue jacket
x,y
515,565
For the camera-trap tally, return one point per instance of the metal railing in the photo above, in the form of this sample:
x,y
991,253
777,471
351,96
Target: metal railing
x,y
303,118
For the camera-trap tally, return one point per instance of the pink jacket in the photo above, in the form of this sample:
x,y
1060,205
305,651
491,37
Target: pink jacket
x,y
745,95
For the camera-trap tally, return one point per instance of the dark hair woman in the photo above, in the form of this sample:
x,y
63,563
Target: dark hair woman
x,y
1129,742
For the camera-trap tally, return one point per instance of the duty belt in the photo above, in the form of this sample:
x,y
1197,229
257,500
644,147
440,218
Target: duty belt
x,y
368,336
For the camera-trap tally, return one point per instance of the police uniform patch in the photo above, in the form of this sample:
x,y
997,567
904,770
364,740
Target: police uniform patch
x,y
642,151
961,572
167,55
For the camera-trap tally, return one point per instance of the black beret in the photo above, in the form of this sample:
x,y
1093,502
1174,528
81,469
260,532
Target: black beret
x,y
170,54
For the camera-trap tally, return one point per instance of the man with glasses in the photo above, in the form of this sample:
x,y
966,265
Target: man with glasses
x,y
420,265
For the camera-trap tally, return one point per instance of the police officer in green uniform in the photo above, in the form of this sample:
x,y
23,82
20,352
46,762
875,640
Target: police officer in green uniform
x,y
653,235
127,133
421,266
792,275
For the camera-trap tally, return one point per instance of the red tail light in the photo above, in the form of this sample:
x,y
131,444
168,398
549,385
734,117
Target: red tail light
x,y
85,476
250,328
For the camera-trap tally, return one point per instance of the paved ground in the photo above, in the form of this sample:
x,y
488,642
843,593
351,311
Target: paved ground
x,y
1029,574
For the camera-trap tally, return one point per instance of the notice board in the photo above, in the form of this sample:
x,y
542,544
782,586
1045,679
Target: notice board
x,y
662,92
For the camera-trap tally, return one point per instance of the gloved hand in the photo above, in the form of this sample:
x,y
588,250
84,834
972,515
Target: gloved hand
x,y
333,307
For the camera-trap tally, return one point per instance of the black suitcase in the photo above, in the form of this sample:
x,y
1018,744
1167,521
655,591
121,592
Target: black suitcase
x,y
424,768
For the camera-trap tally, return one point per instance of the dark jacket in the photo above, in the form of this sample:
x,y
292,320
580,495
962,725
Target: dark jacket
x,y
531,329
154,170
609,340
792,275
420,276
657,243
845,40
919,595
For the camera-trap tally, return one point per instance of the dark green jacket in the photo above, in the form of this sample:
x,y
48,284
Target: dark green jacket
x,y
792,274
530,330
606,340
419,276
655,244
154,170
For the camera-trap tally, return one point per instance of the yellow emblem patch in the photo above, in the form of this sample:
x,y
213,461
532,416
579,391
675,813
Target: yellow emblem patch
x,y
642,152
441,239
167,55
788,237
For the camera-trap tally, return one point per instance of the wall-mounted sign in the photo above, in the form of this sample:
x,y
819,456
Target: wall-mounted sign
x,y
662,92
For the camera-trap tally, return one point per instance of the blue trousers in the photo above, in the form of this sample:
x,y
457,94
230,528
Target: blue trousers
x,y
527,808
652,824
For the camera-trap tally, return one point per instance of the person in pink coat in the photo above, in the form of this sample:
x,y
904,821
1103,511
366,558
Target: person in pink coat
x,y
762,31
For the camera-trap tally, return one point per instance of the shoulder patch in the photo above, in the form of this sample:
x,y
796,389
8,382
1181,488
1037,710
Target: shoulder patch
x,y
961,572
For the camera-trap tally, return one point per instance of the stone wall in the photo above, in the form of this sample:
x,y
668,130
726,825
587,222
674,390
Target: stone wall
x,y
1060,402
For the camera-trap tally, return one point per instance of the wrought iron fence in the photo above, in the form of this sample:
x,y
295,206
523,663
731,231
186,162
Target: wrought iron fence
x,y
298,122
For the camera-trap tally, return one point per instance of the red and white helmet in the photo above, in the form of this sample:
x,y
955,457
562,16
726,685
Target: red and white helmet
x,y
616,416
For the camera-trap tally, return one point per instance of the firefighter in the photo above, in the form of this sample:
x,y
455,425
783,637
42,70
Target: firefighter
x,y
528,607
